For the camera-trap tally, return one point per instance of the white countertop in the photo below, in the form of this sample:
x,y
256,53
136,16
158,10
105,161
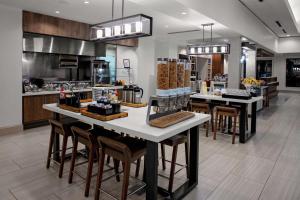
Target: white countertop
x,y
220,98
53,92
135,124
109,88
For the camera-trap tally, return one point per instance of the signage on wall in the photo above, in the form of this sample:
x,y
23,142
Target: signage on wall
x,y
126,63
293,72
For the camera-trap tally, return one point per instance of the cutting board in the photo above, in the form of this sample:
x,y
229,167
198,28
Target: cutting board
x,y
134,105
85,100
169,120
70,108
103,117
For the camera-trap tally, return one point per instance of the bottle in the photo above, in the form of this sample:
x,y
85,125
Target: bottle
x,y
62,96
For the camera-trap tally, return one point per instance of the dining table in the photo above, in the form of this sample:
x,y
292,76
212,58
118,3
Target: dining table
x,y
244,135
135,125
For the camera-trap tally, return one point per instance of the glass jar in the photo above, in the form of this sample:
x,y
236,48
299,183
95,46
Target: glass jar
x,y
180,76
162,77
173,76
187,77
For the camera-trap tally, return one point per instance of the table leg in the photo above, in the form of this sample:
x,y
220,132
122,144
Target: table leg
x,y
242,126
151,162
194,154
56,143
192,182
253,117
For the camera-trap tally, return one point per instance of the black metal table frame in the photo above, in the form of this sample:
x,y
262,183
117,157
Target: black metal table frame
x,y
151,161
243,135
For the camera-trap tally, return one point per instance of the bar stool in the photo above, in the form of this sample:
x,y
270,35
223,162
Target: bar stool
x,y
127,150
89,139
63,128
203,108
222,111
174,142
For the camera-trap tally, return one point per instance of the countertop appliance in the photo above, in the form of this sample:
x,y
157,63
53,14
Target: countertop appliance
x,y
137,94
68,61
132,94
101,72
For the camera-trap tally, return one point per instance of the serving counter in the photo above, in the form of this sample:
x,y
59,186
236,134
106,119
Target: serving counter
x,y
135,125
243,103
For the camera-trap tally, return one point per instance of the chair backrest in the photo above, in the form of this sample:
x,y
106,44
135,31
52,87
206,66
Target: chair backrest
x,y
83,136
57,127
226,111
113,144
200,107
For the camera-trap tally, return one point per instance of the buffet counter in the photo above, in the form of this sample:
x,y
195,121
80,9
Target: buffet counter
x,y
54,92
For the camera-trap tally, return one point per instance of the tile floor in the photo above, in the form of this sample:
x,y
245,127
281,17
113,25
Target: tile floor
x,y
267,167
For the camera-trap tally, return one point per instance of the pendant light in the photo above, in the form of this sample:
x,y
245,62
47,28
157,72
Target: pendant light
x,y
208,47
133,26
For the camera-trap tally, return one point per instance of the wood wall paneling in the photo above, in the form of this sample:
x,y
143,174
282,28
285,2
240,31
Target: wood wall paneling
x,y
43,24
217,64
132,42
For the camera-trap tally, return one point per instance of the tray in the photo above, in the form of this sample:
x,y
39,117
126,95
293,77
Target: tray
x,y
70,108
169,120
234,96
103,117
134,105
85,100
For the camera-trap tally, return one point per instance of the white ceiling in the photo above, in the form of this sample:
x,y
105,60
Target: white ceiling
x,y
294,6
270,11
167,15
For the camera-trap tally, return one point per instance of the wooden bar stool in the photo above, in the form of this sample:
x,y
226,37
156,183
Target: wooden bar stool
x,y
89,139
63,128
222,111
203,108
127,150
174,142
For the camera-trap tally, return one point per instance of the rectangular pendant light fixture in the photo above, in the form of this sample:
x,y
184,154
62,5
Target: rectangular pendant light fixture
x,y
209,49
123,28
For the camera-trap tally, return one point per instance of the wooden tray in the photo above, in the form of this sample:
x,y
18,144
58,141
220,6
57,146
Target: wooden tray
x,y
70,108
171,119
85,100
103,117
134,105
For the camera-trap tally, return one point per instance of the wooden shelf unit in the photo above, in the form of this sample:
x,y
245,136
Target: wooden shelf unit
x,y
273,84
193,62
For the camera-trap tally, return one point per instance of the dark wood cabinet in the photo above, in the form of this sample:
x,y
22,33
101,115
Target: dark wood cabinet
x,y
217,64
50,99
33,113
43,24
32,109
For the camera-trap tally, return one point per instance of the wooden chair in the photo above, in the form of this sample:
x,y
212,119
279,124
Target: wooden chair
x,y
222,111
203,108
174,142
127,150
89,139
63,128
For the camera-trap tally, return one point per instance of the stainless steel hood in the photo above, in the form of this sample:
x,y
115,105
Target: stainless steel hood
x,y
59,45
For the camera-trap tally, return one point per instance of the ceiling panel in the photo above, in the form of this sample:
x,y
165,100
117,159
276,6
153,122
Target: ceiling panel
x,y
167,14
270,11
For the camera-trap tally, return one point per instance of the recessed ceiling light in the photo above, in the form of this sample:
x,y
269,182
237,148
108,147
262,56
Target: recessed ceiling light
x,y
57,12
288,35
86,2
183,13
244,39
